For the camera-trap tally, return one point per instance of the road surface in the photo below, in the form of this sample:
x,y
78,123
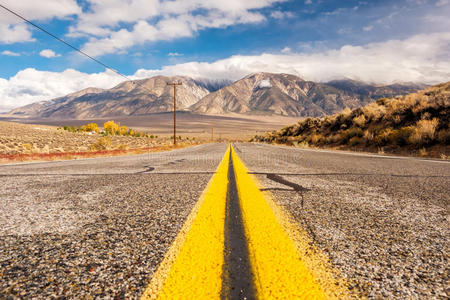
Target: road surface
x,y
101,227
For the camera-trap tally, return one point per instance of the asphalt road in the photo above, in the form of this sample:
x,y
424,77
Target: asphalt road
x,y
100,227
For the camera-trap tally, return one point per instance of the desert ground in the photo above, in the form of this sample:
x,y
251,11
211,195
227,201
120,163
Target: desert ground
x,y
229,126
38,138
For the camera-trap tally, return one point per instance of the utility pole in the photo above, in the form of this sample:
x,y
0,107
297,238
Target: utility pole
x,y
174,84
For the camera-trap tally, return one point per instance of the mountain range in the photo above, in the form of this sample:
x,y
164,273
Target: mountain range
x,y
258,93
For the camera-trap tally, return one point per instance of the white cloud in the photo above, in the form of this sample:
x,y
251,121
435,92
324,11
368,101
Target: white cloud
x,y
174,54
286,50
307,2
14,30
368,28
442,2
9,53
420,58
153,20
281,15
30,85
48,53
14,33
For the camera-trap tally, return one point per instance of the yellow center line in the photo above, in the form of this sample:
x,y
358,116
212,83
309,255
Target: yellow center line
x,y
284,262
283,267
192,268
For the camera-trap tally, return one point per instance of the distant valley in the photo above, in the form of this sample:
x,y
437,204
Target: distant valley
x,y
255,94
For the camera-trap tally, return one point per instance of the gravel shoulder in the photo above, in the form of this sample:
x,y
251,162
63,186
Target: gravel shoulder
x,y
382,221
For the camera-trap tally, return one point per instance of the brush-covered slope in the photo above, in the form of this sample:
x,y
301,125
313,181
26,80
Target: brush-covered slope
x,y
415,121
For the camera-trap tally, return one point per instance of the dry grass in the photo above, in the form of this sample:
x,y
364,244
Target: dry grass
x,y
360,120
424,131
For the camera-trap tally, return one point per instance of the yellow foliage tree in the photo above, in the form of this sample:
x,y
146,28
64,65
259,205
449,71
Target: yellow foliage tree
x,y
92,127
123,130
111,127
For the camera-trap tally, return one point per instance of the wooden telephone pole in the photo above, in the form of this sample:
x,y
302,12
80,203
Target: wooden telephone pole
x,y
174,84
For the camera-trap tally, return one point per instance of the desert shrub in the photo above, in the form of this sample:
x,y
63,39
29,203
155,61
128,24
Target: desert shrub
x,y
397,119
421,105
384,136
359,120
424,132
368,136
393,107
374,111
345,112
346,135
443,136
111,127
301,144
92,127
328,139
123,130
402,135
71,128
329,121
336,138
423,152
391,136
316,138
354,141
102,143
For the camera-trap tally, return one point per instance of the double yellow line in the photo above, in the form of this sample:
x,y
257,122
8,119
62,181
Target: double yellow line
x,y
284,264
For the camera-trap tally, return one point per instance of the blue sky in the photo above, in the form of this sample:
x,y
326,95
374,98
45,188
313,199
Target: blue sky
x,y
374,41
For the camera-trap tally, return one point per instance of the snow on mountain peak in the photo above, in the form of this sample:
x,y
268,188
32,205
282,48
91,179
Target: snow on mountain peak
x,y
264,84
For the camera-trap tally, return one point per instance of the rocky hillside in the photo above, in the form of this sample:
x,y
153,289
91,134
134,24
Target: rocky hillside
x,y
128,98
417,123
290,95
259,93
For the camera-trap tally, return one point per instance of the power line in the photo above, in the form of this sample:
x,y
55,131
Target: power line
x,y
71,46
